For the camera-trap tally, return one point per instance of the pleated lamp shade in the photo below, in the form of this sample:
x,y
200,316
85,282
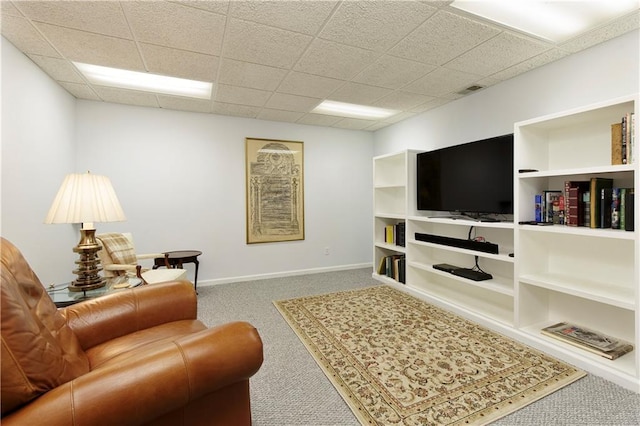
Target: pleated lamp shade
x,y
85,198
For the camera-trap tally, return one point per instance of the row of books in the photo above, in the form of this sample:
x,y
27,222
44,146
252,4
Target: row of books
x,y
395,234
394,266
594,203
592,341
623,140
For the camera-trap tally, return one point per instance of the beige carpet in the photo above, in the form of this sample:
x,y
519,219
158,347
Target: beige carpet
x,y
397,360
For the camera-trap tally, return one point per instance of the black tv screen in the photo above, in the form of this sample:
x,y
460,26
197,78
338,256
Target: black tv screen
x,y
474,178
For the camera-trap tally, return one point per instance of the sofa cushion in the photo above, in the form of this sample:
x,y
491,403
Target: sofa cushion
x,y
39,350
119,248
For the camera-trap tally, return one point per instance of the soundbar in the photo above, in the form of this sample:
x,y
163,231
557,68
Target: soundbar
x,y
458,242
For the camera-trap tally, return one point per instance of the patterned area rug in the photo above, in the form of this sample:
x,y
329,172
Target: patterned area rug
x,y
397,360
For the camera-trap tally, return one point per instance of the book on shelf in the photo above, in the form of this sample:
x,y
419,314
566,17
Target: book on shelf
x,y
395,234
627,201
538,207
606,198
589,340
597,185
617,156
549,198
623,139
615,208
574,202
393,266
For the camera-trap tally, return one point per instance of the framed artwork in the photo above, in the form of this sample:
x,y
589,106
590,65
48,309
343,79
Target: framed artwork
x,y
275,190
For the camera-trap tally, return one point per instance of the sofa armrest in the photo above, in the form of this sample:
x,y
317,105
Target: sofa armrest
x,y
156,381
98,320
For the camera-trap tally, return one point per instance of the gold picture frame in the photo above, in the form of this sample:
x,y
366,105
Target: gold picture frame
x,y
275,190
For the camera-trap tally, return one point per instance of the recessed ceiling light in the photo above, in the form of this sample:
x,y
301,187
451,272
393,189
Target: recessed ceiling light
x,y
146,82
555,21
343,109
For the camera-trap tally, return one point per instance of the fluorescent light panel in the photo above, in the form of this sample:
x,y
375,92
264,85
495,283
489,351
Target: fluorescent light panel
x,y
555,21
343,109
147,82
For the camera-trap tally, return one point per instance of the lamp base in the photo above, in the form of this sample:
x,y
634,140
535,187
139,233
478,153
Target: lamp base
x,y
88,264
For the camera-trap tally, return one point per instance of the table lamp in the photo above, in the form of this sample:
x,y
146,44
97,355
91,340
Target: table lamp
x,y
86,198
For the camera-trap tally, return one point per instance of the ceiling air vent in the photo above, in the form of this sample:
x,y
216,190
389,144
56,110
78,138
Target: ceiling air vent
x,y
470,89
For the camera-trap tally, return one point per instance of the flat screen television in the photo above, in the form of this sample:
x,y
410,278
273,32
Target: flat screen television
x,y
472,179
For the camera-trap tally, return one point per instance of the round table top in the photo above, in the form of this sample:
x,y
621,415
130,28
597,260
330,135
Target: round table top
x,y
176,254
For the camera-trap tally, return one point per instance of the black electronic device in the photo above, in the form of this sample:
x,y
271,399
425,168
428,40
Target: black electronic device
x,y
445,267
472,178
471,274
482,246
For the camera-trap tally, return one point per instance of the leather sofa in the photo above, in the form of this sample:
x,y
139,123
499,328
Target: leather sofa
x,y
138,356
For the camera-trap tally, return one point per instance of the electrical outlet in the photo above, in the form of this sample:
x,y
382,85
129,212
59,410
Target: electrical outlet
x,y
326,251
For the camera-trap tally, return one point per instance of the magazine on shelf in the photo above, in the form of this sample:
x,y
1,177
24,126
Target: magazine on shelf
x,y
592,341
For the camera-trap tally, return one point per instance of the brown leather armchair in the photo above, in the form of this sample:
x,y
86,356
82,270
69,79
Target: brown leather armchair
x,y
135,357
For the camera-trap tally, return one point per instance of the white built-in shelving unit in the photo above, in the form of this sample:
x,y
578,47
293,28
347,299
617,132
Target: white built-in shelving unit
x,y
590,277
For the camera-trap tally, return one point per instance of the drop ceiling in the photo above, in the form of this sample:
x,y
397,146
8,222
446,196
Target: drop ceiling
x,y
277,60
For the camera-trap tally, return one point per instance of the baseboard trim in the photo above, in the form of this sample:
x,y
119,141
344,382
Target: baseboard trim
x,y
218,281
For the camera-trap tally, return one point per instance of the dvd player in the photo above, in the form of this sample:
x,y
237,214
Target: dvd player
x,y
471,274
458,242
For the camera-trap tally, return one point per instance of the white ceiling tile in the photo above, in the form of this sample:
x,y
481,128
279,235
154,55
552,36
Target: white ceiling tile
x,y
102,17
94,48
80,91
392,72
179,63
129,97
399,117
251,42
278,115
357,93
603,33
319,119
442,81
217,6
443,37
287,102
304,17
25,37
297,83
375,25
241,95
58,69
377,126
176,25
246,74
8,9
529,64
433,103
500,52
235,110
334,60
400,100
353,123
184,104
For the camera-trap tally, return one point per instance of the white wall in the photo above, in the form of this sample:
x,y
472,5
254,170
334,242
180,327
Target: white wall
x,y
38,150
180,178
605,71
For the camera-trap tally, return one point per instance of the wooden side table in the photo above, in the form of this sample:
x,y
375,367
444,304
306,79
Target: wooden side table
x,y
179,257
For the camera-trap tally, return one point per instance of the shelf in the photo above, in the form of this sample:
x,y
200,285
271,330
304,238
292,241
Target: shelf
x,y
498,284
625,364
502,257
596,170
391,247
462,222
608,293
580,231
389,216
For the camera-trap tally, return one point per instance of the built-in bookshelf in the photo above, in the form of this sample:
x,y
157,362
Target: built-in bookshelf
x,y
542,275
